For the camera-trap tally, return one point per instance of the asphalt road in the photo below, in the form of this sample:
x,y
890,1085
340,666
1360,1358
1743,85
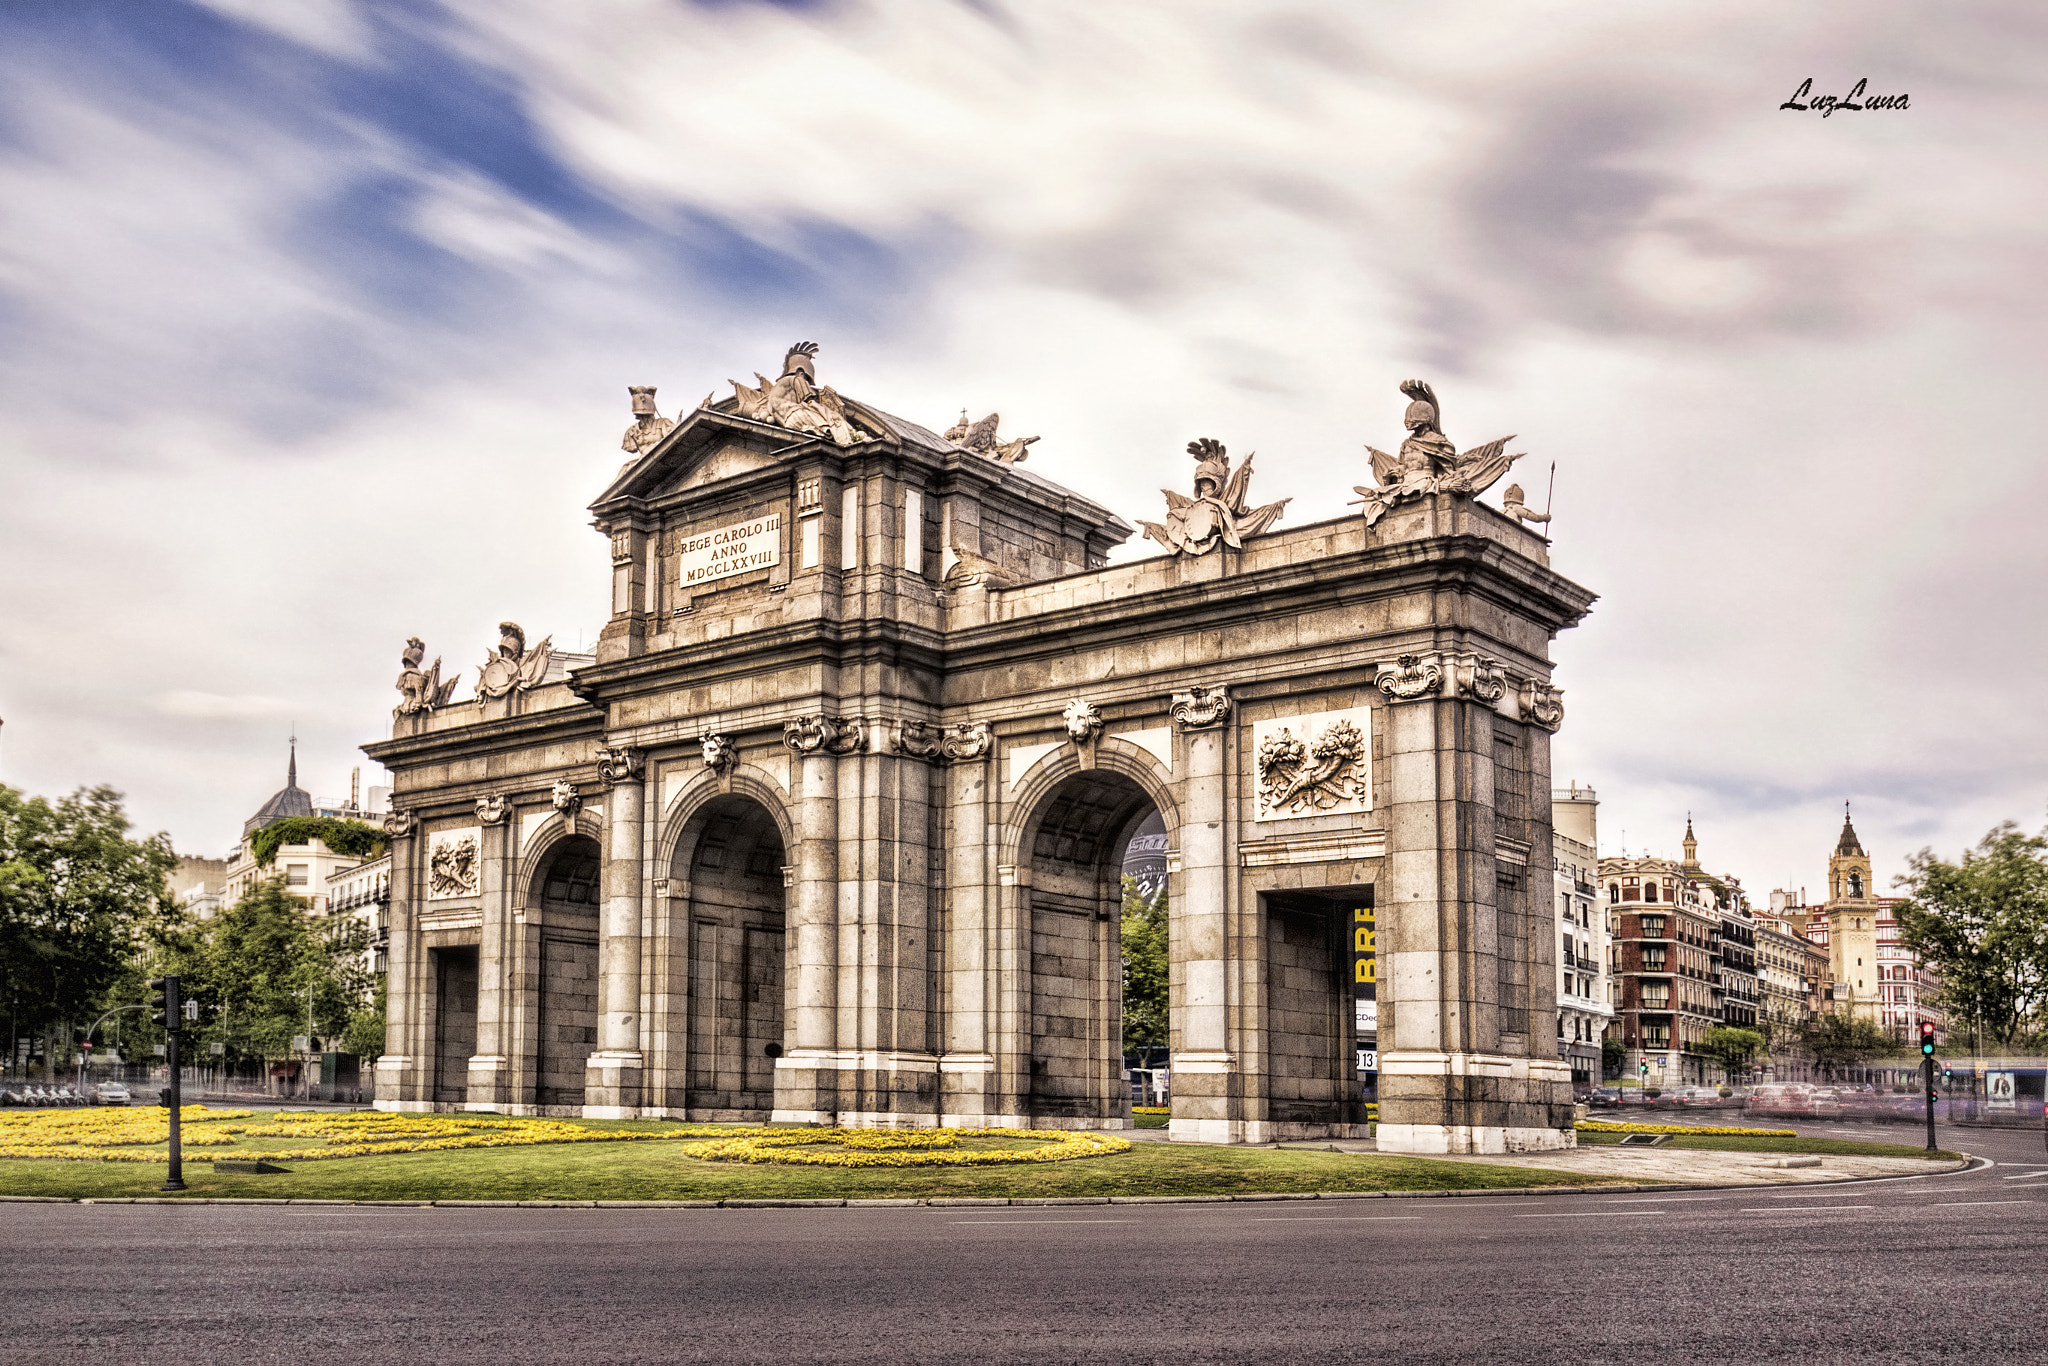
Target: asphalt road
x,y
1931,1268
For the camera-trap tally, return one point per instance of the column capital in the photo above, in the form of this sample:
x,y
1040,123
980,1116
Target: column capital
x,y
618,764
1200,707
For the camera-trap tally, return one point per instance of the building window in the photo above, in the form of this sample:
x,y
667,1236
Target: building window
x,y
295,874
1653,927
1649,891
1614,893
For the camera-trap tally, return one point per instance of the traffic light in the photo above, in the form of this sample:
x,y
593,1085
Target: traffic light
x,y
166,1010
1643,1068
1927,1038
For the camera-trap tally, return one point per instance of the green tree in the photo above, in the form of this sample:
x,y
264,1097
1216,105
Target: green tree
x,y
1731,1045
1982,925
265,964
76,896
1143,928
1613,1056
1838,1041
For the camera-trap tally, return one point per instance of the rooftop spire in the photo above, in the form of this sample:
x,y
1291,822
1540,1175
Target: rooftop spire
x,y
1848,844
1692,846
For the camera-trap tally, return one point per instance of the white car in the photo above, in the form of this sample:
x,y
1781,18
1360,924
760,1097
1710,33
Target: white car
x,y
114,1093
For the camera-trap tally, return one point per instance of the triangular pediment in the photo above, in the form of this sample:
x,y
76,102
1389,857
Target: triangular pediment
x,y
705,448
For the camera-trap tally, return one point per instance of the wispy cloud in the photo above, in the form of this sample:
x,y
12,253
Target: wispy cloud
x,y
315,323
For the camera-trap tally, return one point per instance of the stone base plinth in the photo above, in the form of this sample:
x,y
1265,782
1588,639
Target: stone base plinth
x,y
487,1081
611,1085
1473,1103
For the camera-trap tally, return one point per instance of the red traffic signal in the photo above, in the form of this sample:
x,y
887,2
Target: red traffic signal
x,y
1927,1038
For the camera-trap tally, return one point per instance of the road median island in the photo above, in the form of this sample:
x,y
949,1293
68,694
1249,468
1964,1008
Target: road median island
x,y
494,1160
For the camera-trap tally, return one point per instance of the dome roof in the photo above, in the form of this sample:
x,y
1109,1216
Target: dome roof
x,y
289,801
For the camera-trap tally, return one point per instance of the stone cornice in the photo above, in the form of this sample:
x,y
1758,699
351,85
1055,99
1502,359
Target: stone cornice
x,y
508,733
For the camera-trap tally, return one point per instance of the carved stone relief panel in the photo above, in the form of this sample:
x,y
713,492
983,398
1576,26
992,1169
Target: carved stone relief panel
x,y
454,863
1316,764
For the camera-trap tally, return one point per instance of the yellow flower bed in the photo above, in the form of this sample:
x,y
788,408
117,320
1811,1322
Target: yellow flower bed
x,y
1151,1109
129,1135
940,1147
133,1135
1601,1126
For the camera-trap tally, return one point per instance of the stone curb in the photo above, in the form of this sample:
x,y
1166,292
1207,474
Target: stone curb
x,y
957,1201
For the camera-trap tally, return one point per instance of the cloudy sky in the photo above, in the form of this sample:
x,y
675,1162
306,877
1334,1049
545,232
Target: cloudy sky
x,y
316,321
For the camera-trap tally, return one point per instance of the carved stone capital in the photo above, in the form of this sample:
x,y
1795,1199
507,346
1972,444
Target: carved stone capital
x,y
618,764
829,734
918,739
1410,678
1082,720
567,799
1201,707
493,810
1479,677
721,756
970,740
1542,704
398,823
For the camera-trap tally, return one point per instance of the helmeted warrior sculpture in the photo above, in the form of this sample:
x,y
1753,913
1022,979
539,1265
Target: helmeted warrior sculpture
x,y
1219,513
421,690
1428,462
513,666
796,401
649,426
980,437
1511,503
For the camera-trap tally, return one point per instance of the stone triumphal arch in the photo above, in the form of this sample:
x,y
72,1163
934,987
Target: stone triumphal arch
x,y
830,825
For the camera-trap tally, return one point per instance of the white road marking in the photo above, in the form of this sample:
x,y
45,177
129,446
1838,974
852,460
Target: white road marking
x,y
1340,1219
1817,1195
2023,1176
1950,1204
1588,1214
1798,1209
1042,1221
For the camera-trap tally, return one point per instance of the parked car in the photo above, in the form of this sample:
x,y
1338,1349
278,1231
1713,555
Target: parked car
x,y
114,1093
1606,1098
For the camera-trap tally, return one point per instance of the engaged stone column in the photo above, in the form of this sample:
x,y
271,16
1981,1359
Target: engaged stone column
x,y
967,1030
806,1077
398,1071
612,1078
489,1067
1206,1106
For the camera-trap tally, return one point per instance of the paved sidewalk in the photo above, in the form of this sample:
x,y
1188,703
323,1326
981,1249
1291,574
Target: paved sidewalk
x,y
1694,1167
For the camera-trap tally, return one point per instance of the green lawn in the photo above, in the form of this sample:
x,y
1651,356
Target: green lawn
x,y
1745,1143
657,1171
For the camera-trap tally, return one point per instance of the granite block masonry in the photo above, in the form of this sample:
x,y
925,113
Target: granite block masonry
x,y
830,827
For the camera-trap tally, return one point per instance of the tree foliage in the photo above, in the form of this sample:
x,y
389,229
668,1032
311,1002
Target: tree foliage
x,y
76,895
260,967
1145,967
1840,1040
351,839
1732,1046
1982,925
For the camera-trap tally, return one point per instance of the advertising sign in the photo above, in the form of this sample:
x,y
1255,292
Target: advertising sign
x,y
1365,974
2000,1093
724,551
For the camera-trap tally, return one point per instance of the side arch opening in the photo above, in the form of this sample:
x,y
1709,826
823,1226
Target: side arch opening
x,y
731,857
1077,846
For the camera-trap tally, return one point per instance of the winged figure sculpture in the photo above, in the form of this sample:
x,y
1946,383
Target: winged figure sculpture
x,y
1428,462
1220,513
980,437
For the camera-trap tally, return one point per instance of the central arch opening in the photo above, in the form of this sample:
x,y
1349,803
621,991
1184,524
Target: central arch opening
x,y
731,857
565,1019
1077,847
